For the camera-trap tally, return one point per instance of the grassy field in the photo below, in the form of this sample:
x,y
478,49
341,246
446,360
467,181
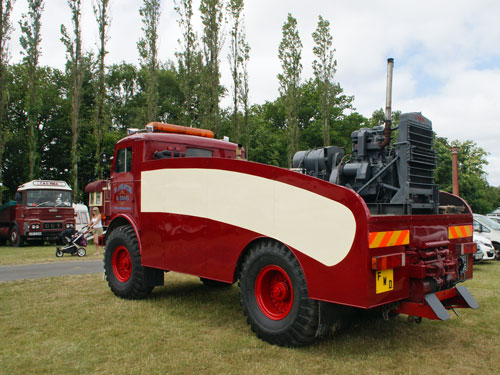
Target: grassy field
x,y
39,254
75,325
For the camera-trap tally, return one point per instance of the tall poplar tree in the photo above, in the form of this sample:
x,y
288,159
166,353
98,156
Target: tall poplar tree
x,y
75,63
235,7
101,12
148,51
238,61
244,94
5,30
289,53
30,41
189,62
324,67
212,18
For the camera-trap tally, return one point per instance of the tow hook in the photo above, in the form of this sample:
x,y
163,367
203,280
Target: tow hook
x,y
387,310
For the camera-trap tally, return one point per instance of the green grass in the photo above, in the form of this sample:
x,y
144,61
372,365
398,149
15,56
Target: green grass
x,y
76,325
39,254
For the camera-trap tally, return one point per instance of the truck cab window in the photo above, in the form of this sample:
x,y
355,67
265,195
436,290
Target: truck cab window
x,y
98,198
48,198
198,153
124,160
166,154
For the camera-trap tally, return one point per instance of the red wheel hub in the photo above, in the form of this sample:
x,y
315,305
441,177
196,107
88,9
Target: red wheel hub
x,y
122,264
274,292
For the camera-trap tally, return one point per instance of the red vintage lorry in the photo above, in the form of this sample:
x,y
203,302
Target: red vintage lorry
x,y
370,231
42,209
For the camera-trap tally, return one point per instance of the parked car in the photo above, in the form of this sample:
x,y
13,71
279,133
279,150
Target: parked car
x,y
489,229
485,249
478,255
494,218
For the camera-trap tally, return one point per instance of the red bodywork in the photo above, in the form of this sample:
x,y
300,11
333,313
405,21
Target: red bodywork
x,y
428,262
101,189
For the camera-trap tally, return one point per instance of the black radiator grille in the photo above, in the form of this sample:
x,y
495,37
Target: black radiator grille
x,y
52,225
422,158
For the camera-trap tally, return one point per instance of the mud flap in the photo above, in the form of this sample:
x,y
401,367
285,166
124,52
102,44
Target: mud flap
x,y
467,297
436,306
331,318
153,277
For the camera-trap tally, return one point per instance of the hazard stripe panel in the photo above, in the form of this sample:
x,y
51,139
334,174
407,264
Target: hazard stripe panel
x,y
391,238
459,231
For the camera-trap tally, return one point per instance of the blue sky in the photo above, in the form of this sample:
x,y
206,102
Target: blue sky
x,y
447,54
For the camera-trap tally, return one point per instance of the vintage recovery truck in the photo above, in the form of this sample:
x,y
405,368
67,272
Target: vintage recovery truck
x,y
370,231
42,209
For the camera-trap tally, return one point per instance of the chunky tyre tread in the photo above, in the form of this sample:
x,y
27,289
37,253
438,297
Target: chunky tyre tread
x,y
135,287
15,237
300,325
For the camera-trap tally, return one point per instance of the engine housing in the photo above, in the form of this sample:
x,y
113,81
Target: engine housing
x,y
396,179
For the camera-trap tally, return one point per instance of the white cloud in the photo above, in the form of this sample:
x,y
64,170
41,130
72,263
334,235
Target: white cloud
x,y
467,107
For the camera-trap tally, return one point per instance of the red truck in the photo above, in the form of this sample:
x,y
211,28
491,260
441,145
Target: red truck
x,y
42,209
369,231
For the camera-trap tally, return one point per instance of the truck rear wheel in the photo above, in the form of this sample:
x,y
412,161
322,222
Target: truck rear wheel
x,y
122,265
15,237
273,293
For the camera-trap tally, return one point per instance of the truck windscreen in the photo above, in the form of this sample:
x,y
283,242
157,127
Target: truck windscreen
x,y
48,198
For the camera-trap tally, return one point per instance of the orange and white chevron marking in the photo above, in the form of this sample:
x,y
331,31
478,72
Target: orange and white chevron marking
x,y
459,231
391,238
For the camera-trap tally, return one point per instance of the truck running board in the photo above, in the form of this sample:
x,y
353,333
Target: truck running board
x,y
436,304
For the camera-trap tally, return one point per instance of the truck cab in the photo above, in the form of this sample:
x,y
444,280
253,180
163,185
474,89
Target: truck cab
x,y
116,196
41,211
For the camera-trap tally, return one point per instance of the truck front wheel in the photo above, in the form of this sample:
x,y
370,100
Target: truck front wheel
x,y
122,265
274,296
15,237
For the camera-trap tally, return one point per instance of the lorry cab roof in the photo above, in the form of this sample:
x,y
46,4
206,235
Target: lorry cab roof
x,y
44,184
190,140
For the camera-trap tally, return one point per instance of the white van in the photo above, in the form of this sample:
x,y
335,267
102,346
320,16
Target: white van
x,y
82,216
489,229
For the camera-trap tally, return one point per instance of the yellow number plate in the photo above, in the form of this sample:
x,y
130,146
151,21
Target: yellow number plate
x,y
384,281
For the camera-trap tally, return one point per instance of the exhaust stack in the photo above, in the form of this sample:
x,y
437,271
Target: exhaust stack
x,y
388,104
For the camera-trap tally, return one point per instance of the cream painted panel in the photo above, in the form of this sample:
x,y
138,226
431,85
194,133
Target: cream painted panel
x,y
319,227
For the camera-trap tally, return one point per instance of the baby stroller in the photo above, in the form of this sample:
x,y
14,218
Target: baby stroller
x,y
74,242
